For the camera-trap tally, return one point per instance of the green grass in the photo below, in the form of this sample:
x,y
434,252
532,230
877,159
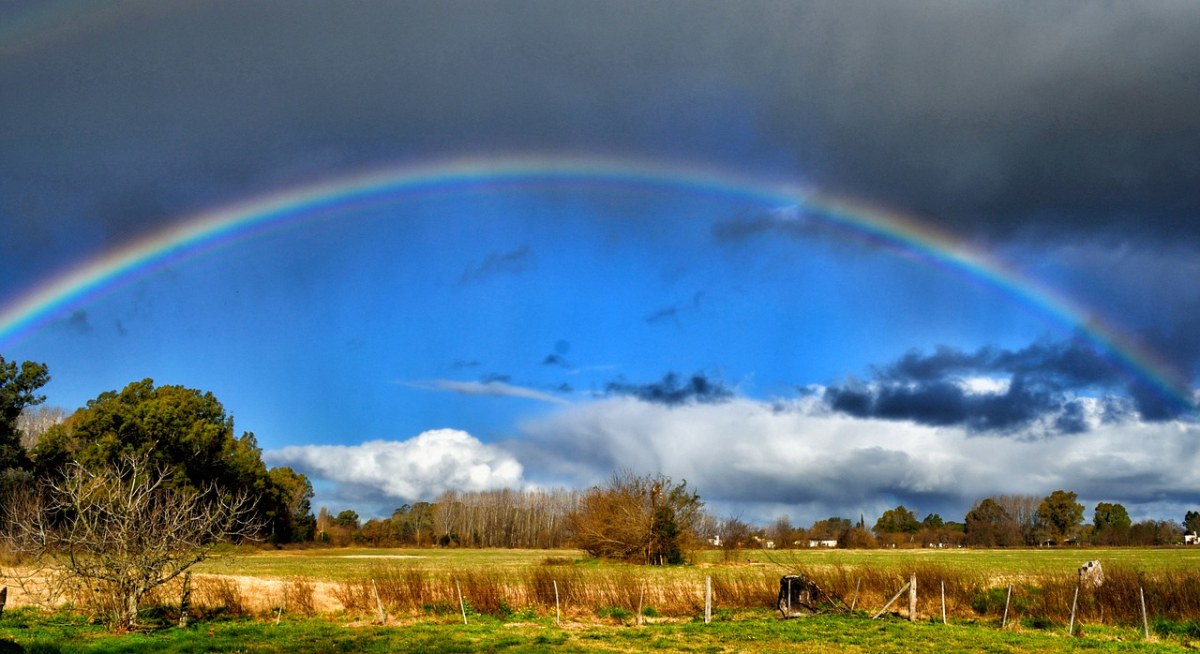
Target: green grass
x,y
749,632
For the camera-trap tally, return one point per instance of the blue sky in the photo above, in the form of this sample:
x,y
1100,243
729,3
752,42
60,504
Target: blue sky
x,y
545,334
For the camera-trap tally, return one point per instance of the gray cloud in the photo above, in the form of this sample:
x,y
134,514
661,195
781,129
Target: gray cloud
x,y
671,391
500,263
1042,380
988,117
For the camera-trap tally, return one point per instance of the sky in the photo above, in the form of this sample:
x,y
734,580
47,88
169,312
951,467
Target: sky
x,y
816,258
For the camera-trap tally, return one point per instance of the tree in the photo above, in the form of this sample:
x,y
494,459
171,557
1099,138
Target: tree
x,y
182,431
290,513
18,390
648,519
347,519
829,529
989,525
1110,524
1023,511
735,534
35,421
1060,515
783,533
1191,522
896,521
122,531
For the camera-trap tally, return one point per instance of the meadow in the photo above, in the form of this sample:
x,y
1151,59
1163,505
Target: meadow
x,y
537,600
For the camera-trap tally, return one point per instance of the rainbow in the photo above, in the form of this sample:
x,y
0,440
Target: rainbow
x,y
235,223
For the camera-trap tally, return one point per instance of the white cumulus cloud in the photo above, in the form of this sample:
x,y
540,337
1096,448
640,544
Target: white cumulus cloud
x,y
419,468
748,455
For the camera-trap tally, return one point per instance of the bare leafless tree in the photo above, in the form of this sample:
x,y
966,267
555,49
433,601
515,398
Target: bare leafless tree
x,y
123,531
35,421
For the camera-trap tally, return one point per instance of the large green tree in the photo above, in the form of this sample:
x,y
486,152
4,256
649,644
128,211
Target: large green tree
x,y
1060,515
896,521
1111,524
19,385
182,431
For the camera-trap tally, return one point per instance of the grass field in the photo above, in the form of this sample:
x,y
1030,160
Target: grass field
x,y
331,600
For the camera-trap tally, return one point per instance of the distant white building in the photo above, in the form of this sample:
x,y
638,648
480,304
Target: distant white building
x,y
822,542
1190,538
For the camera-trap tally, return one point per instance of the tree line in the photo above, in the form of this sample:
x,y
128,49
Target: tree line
x,y
533,519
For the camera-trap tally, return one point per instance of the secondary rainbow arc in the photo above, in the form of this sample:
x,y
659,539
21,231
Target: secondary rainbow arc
x,y
234,223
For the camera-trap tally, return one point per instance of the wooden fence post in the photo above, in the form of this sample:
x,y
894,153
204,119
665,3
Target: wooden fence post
x,y
912,599
854,601
1007,599
1074,602
943,601
379,603
1145,620
707,600
557,611
641,599
461,605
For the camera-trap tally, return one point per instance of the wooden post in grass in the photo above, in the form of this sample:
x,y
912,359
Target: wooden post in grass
x,y
707,600
891,601
461,606
641,599
1007,599
1071,626
378,603
943,602
1145,620
912,599
857,583
557,611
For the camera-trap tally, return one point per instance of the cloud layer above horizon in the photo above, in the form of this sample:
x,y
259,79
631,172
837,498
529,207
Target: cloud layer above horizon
x,y
794,457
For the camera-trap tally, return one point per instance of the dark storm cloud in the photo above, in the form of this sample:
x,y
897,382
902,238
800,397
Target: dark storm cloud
x,y
943,403
1044,380
672,391
500,263
991,117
